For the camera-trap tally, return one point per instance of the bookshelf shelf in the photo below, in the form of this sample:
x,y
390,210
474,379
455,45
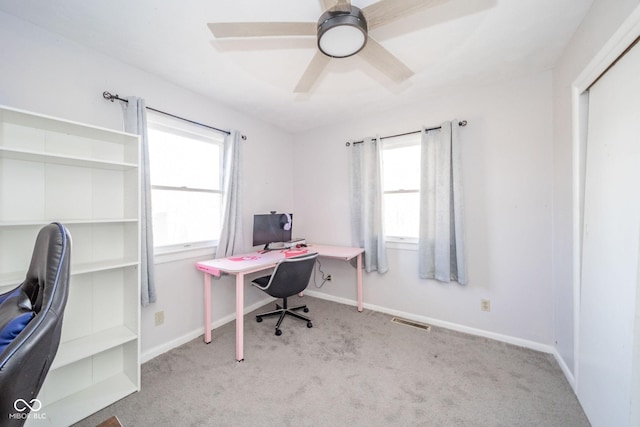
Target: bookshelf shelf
x,y
86,178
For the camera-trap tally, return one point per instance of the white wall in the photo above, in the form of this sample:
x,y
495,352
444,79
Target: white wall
x,y
507,168
511,170
603,19
47,74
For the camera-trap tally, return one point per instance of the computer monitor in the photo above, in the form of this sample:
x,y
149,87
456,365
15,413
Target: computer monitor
x,y
271,228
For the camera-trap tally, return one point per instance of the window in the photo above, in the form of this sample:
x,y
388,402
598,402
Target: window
x,y
185,162
401,187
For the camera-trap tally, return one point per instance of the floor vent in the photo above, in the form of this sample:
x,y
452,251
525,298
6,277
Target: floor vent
x,y
406,322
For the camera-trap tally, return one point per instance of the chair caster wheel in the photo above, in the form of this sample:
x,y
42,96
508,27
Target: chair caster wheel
x,y
258,319
278,332
309,325
306,310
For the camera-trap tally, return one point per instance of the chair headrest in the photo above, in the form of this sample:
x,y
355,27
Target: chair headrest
x,y
51,247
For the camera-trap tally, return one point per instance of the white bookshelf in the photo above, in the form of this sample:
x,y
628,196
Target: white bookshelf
x,y
87,178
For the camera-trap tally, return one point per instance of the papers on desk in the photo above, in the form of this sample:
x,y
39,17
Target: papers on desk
x,y
245,258
287,253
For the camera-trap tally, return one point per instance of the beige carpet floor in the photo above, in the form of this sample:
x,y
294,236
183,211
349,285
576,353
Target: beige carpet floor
x,y
350,369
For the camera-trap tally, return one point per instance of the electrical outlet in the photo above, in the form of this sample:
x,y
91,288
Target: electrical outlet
x,y
159,317
329,277
485,305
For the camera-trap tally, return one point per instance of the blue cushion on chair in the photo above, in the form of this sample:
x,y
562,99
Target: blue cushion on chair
x,y
15,314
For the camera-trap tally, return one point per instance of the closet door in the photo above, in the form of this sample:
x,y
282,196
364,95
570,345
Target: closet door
x,y
608,357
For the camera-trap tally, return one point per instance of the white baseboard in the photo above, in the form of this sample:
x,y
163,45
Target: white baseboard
x,y
565,369
442,324
158,350
170,345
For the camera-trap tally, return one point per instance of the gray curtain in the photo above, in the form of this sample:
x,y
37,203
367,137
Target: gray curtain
x,y
367,230
135,121
231,238
441,253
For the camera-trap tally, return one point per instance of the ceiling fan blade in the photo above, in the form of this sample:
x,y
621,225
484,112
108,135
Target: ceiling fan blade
x,y
262,29
384,61
337,5
313,71
387,11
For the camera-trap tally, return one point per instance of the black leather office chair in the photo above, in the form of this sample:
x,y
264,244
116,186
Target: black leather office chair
x,y
290,277
31,323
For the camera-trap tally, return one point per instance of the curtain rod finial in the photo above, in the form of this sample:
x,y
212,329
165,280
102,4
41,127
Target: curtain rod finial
x,y
109,96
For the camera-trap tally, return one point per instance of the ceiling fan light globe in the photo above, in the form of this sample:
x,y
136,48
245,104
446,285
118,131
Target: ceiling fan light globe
x,y
342,34
342,41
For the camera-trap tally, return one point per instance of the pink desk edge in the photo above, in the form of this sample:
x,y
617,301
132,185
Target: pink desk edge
x,y
240,265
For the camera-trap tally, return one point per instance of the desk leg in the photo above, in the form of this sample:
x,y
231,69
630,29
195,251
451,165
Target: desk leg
x,y
359,280
239,317
207,308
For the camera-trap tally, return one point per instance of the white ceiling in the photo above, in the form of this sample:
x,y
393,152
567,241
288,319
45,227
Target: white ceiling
x,y
459,43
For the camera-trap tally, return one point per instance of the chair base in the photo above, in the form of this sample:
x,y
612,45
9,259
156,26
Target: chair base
x,y
284,311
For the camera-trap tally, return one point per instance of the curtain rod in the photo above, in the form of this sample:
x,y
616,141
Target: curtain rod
x,y
460,123
110,97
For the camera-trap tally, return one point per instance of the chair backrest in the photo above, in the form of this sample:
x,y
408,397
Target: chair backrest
x,y
291,276
25,361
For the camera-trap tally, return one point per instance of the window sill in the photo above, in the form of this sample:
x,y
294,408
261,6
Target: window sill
x,y
408,245
184,253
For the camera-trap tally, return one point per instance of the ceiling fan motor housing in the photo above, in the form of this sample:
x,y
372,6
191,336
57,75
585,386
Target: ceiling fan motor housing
x,y
342,34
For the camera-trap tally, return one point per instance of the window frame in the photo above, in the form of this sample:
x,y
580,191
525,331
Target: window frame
x,y
389,143
162,123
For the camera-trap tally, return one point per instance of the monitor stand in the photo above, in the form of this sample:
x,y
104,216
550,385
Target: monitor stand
x,y
274,246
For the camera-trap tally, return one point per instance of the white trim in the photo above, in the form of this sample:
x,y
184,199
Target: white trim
x,y
181,340
167,123
621,39
184,253
545,348
160,349
576,229
617,44
565,370
402,245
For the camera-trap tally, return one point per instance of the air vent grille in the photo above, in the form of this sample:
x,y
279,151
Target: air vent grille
x,y
407,322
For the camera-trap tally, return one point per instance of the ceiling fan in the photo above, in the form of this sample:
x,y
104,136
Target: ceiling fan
x,y
342,31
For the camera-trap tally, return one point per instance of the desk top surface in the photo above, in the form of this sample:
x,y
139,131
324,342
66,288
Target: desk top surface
x,y
255,261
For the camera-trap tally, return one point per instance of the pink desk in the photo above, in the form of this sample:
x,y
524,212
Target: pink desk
x,y
240,265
